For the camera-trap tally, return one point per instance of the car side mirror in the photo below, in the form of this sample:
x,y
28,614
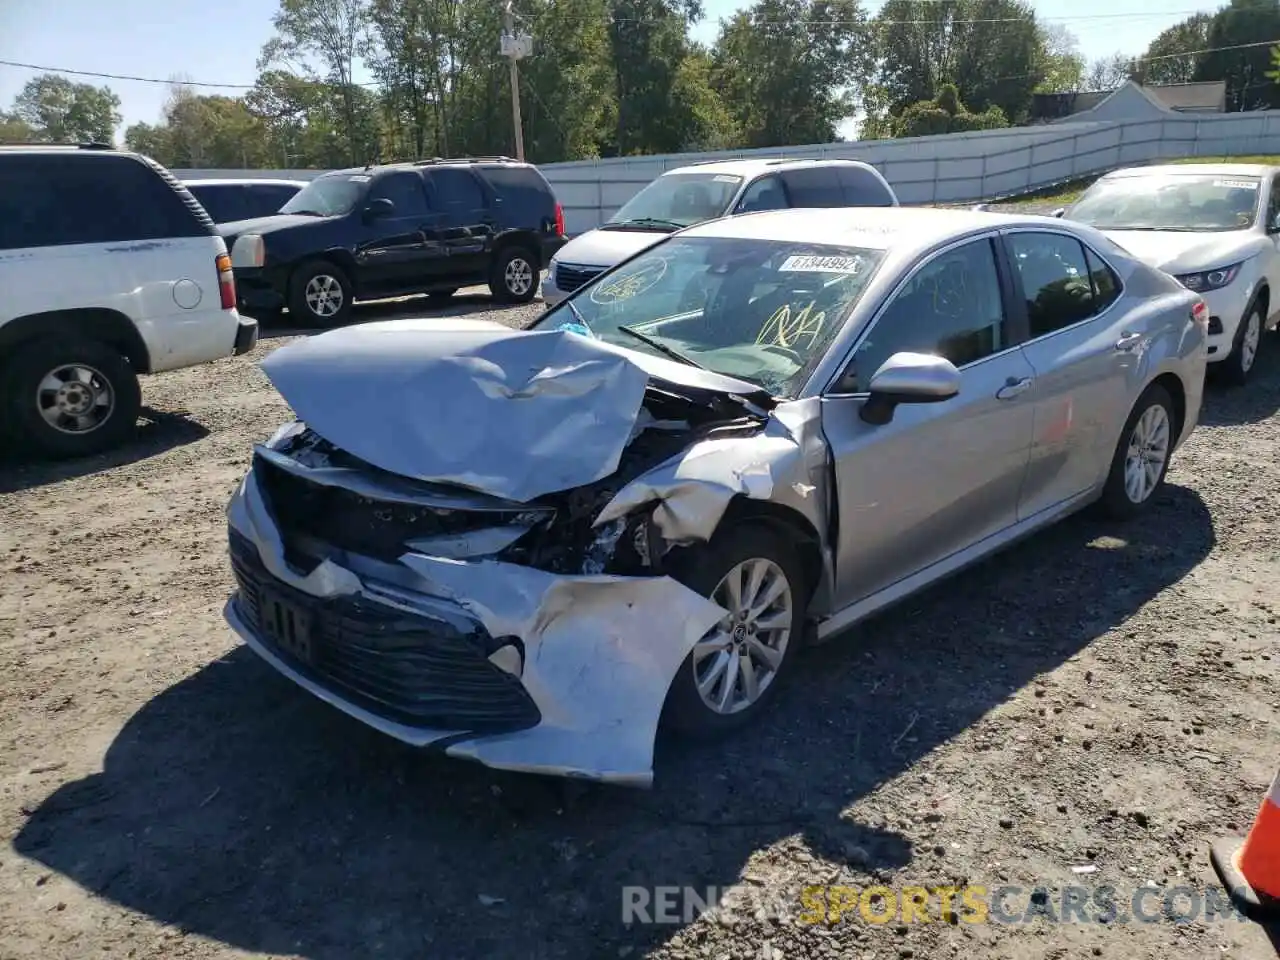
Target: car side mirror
x,y
379,208
909,378
1274,225
1059,212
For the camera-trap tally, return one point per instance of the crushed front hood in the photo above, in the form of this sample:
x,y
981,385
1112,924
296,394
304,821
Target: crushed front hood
x,y
514,414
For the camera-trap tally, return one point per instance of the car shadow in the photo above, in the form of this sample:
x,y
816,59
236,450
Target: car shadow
x,y
158,431
237,808
1259,399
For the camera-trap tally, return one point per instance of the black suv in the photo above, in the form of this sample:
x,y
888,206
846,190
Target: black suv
x,y
426,227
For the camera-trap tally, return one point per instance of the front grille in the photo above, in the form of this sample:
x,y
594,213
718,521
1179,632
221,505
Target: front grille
x,y
405,667
569,277
348,521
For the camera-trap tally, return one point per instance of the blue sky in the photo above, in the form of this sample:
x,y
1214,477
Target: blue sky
x,y
219,42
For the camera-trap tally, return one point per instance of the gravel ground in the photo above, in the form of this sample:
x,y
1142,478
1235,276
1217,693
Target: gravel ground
x,y
1097,697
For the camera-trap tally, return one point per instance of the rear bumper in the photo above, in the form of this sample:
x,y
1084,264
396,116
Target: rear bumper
x,y
246,335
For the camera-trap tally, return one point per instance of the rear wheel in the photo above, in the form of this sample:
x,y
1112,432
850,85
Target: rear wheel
x,y
733,672
514,276
69,397
320,294
1141,459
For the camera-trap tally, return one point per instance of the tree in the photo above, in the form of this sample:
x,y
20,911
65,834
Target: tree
x,y
60,111
13,129
330,32
1174,55
1108,73
1244,68
784,68
945,113
1059,63
992,50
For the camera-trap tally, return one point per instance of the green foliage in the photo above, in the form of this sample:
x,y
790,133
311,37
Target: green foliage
x,y
1244,70
945,113
52,108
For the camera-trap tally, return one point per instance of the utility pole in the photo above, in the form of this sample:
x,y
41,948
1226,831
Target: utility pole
x,y
515,47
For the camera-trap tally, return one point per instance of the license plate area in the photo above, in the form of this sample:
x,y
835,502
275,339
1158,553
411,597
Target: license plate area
x,y
287,625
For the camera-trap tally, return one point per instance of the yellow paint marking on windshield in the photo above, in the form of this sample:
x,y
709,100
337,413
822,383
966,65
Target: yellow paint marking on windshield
x,y
630,284
783,330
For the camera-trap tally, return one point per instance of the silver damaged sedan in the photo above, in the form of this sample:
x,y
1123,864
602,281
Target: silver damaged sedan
x,y
530,548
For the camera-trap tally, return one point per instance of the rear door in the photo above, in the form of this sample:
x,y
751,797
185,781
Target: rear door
x,y
394,252
467,223
1085,348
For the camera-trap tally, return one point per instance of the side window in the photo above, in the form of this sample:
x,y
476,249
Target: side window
x,y
220,202
55,200
404,190
1273,204
950,307
814,187
862,188
1106,285
1055,280
763,194
457,189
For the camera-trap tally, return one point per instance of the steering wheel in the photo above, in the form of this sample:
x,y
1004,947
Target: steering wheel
x,y
785,351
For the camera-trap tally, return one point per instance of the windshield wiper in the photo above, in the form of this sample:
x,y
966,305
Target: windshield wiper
x,y
659,346
646,222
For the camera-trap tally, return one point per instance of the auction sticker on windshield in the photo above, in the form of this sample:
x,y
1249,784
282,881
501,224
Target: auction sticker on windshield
x,y
812,264
1237,184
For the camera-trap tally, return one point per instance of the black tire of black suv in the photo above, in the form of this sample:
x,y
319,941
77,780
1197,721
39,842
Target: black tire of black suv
x,y
330,280
513,277
94,376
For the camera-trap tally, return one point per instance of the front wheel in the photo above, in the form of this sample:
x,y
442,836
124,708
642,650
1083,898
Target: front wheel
x,y
514,277
1239,364
69,397
320,294
1142,457
732,673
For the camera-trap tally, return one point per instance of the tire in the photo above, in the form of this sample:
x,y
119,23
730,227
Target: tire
x,y
702,569
1117,503
514,275
322,283
1239,364
96,380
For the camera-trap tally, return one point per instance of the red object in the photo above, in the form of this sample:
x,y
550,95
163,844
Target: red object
x,y
1250,870
226,281
1200,312
559,219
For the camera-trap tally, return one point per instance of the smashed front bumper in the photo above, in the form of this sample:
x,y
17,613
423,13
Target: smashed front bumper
x,y
513,667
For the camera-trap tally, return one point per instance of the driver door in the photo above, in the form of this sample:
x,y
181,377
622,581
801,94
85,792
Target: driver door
x,y
939,477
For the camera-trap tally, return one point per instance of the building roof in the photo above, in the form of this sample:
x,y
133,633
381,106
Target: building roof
x,y
1206,97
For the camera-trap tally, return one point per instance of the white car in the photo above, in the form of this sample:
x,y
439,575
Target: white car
x,y
704,191
1213,226
109,268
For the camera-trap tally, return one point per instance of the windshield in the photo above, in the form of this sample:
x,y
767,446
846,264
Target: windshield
x,y
679,200
1180,202
332,195
763,311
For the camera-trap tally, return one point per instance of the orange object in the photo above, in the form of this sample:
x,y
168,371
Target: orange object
x,y
1251,870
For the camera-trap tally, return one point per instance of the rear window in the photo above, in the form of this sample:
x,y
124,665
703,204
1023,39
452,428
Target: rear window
x,y
56,200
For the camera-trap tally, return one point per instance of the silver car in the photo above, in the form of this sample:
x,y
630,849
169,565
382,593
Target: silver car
x,y
529,548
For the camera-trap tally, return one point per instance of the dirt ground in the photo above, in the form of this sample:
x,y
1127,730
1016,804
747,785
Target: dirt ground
x,y
1098,697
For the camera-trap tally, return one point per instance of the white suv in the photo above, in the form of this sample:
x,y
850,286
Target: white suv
x,y
688,195
109,268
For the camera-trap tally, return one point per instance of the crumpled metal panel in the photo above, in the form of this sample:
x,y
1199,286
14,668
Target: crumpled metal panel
x,y
515,414
600,651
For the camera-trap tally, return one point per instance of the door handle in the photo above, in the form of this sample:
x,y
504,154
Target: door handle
x,y
1128,341
1014,387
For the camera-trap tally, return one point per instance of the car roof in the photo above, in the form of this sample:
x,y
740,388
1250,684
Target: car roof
x,y
1201,169
233,182
430,164
901,229
750,167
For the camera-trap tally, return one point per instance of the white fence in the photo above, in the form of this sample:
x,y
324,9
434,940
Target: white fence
x,y
955,168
